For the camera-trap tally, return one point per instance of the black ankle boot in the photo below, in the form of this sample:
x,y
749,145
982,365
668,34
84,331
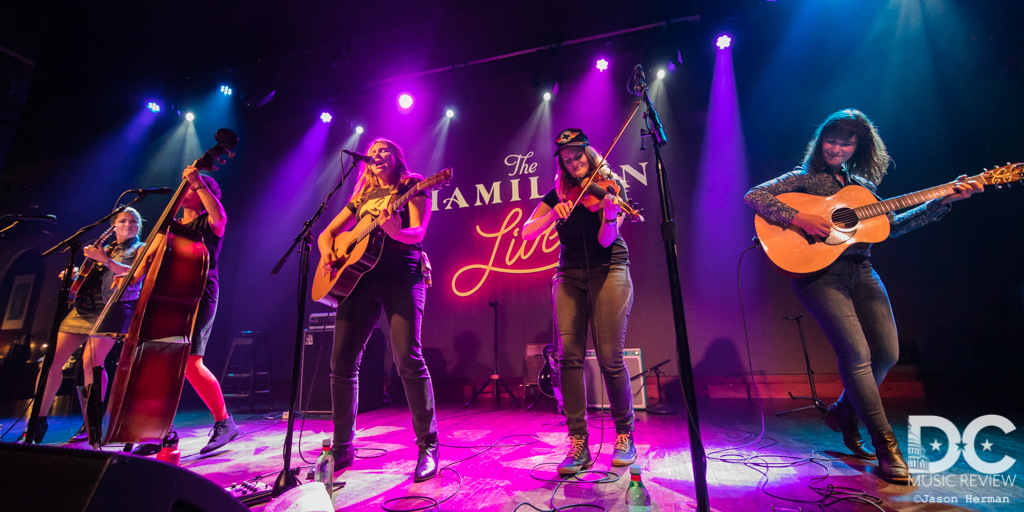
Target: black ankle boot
x,y
41,427
842,418
891,466
426,464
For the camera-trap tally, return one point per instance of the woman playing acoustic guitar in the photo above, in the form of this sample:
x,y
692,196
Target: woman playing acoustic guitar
x,y
114,259
847,298
592,287
396,284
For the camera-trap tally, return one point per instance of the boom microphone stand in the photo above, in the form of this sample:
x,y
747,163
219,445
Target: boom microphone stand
x,y
495,378
286,479
656,132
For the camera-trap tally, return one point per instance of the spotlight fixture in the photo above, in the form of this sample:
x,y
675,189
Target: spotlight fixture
x,y
723,42
226,90
189,116
405,101
325,117
153,107
661,74
359,129
602,65
449,113
547,96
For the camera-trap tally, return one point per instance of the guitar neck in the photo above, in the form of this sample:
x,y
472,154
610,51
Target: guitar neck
x,y
904,201
400,202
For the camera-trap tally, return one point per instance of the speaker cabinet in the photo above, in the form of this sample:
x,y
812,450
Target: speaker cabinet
x,y
597,395
533,363
54,478
315,382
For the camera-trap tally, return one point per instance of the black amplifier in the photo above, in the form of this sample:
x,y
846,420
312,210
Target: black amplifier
x,y
322,321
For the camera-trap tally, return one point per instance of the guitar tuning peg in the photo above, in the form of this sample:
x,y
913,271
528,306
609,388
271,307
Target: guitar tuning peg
x,y
221,161
216,168
231,154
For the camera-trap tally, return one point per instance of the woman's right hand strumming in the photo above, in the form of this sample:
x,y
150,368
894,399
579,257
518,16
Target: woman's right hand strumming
x,y
812,224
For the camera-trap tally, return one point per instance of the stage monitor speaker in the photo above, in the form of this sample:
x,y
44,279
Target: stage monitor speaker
x,y
315,382
62,479
597,395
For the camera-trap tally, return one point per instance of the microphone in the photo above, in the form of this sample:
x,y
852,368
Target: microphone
x,y
47,218
636,83
143,192
359,157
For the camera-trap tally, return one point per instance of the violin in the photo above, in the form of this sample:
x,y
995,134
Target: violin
x,y
592,191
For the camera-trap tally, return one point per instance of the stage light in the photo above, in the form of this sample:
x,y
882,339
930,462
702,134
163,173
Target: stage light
x,y
602,65
405,101
723,42
189,116
449,113
325,117
226,90
153,107
661,74
547,96
359,129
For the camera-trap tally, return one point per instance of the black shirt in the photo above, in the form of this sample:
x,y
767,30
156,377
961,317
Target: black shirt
x,y
578,237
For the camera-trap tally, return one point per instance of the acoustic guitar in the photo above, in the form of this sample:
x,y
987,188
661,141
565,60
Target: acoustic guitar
x,y
87,267
359,249
857,216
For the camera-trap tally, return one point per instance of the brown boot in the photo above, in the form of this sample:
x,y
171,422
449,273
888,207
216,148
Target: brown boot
x,y
891,466
842,418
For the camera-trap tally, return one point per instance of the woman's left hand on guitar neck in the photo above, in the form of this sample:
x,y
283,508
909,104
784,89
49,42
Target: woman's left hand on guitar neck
x,y
964,189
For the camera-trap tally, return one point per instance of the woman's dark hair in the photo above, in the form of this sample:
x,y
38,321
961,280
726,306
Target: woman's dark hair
x,y
870,160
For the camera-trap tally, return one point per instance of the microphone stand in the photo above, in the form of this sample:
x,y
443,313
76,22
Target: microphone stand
x,y
286,479
656,132
71,245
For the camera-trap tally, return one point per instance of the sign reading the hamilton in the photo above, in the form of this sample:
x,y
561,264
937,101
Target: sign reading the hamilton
x,y
508,253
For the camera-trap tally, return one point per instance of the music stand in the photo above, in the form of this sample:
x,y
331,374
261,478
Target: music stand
x,y
816,403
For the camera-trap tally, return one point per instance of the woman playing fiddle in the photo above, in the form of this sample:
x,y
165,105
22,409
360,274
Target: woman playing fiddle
x,y
591,286
112,260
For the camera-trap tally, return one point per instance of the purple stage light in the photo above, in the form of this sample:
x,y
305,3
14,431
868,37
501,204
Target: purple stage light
x,y
405,100
547,96
602,65
153,107
723,42
359,129
661,74
325,117
449,113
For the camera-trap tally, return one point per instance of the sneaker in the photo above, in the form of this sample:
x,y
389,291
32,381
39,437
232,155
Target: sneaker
x,y
224,431
625,451
578,457
146,449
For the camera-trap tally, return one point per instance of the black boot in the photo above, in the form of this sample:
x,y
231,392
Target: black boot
x,y
891,466
426,465
41,427
842,418
81,435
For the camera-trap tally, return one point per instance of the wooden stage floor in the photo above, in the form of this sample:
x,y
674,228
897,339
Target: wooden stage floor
x,y
798,464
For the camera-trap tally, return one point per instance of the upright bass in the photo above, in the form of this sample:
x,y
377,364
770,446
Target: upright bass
x,y
151,370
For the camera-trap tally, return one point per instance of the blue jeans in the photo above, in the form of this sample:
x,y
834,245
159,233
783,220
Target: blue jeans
x,y
402,296
850,304
603,300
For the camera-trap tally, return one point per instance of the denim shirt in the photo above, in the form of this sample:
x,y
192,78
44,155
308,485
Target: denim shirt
x,y
762,199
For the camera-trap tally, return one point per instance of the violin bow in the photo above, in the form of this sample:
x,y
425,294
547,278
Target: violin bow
x,y
590,179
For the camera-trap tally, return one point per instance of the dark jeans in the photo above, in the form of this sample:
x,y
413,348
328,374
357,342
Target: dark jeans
x,y
850,304
402,298
610,291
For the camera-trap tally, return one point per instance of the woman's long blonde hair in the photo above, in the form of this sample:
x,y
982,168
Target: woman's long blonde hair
x,y
368,181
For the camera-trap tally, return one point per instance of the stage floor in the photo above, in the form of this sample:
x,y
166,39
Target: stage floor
x,y
804,463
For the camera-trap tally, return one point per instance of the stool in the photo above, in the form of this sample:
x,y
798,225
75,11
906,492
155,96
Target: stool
x,y
250,364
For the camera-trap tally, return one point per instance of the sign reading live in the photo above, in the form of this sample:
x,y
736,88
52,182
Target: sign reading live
x,y
498,250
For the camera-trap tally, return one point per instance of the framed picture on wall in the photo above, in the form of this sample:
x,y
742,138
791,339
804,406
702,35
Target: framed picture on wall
x,y
17,302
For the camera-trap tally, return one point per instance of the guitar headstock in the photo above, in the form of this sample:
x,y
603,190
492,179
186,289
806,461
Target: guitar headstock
x,y
1003,175
106,234
442,178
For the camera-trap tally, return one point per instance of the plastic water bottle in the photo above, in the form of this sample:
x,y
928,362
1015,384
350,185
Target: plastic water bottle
x,y
169,450
637,498
325,468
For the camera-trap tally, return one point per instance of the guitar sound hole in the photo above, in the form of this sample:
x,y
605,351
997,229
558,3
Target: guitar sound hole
x,y
844,218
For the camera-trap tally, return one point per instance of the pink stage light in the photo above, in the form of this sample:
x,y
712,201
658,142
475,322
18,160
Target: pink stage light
x,y
405,101
723,42
602,65
325,117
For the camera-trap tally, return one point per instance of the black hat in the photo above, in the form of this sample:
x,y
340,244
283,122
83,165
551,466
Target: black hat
x,y
571,137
